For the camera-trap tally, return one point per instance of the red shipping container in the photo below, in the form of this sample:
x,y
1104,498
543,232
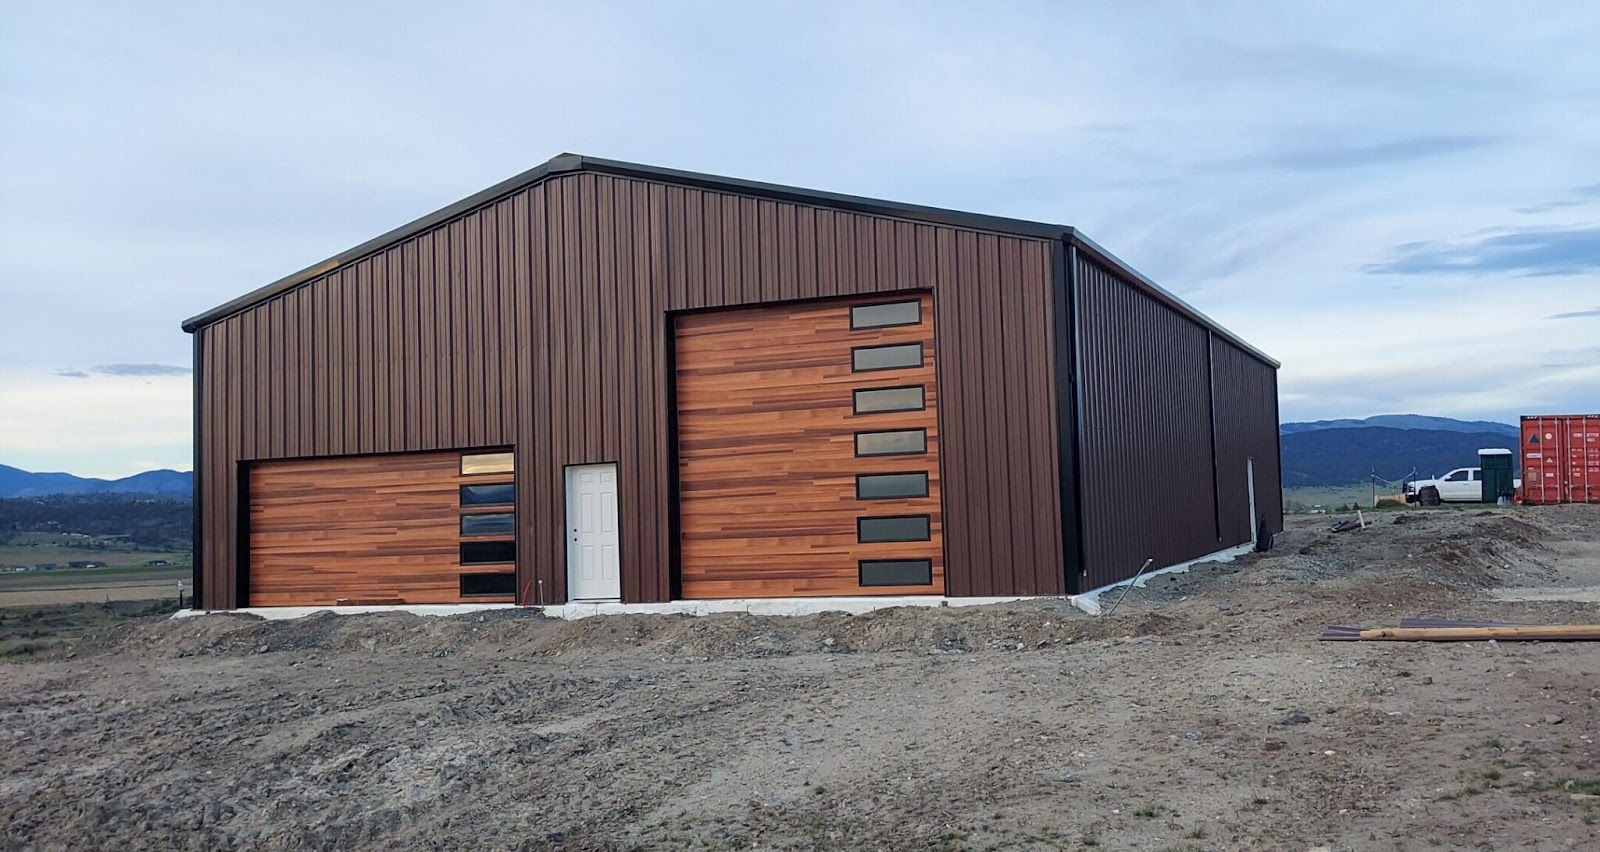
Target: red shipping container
x,y
1561,458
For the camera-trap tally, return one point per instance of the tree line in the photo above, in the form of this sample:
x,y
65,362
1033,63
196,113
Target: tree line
x,y
153,523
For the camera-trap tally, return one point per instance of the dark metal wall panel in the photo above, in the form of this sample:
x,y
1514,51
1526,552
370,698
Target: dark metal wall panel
x,y
1146,486
211,433
1246,394
541,321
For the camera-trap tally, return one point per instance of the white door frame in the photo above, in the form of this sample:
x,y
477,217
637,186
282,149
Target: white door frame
x,y
594,571
1250,482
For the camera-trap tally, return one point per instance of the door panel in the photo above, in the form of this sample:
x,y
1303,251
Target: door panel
x,y
767,438
383,529
593,564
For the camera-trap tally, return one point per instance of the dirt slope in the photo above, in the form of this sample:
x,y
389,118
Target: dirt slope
x,y
1203,715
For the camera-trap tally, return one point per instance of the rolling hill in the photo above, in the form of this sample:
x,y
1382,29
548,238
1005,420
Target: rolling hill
x,y
15,482
1344,456
1419,422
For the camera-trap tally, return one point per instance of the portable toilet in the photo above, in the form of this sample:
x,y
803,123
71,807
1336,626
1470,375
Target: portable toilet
x,y
1496,474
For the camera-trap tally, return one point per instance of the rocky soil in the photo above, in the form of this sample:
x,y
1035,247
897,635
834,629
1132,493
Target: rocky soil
x,y
1203,715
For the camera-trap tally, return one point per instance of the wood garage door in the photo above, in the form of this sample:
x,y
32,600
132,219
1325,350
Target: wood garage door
x,y
809,450
413,528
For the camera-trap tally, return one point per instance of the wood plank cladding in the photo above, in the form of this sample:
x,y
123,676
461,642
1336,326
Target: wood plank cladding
x,y
766,449
540,321
362,529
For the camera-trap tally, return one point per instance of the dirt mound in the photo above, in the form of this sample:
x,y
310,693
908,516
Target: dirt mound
x,y
527,633
1433,558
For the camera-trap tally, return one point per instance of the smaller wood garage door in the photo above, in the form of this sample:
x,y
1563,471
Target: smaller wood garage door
x,y
809,450
413,528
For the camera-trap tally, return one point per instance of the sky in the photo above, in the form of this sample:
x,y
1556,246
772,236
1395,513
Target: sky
x,y
1399,201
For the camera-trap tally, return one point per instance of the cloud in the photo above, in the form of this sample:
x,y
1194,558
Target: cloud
x,y
1322,158
1588,191
1528,252
141,370
1572,359
48,424
122,370
1547,206
1592,312
1463,387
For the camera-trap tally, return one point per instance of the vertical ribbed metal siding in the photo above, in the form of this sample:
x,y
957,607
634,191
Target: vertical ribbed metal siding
x,y
1247,428
1146,486
540,320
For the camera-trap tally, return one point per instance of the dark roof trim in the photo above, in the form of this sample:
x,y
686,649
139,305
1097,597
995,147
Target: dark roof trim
x,y
573,163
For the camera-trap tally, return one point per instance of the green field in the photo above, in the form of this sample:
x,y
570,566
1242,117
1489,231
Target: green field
x,y
33,548
65,575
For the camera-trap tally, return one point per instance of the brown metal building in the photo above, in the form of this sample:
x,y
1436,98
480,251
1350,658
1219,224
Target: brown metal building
x,y
600,380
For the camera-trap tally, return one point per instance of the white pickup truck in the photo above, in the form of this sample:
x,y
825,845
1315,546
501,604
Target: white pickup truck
x,y
1462,485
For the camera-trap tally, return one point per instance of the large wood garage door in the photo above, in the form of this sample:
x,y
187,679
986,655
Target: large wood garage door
x,y
809,450
413,528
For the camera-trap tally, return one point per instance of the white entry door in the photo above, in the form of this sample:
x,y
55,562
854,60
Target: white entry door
x,y
592,565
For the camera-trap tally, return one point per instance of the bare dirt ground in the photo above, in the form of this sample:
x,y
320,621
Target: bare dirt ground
x,y
1203,715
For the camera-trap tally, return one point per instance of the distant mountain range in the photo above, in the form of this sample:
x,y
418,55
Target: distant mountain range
x,y
1404,421
15,482
1392,446
1319,453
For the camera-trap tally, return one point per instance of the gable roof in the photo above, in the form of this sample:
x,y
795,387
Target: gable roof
x,y
565,164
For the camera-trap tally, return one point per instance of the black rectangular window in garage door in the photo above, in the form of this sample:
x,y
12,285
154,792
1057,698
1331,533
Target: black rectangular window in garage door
x,y
497,494
889,399
883,486
865,359
475,464
896,442
903,528
886,314
896,572
489,523
488,552
497,583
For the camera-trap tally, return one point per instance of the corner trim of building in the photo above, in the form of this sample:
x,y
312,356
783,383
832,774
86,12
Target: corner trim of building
x,y
1069,405
197,587
1277,443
